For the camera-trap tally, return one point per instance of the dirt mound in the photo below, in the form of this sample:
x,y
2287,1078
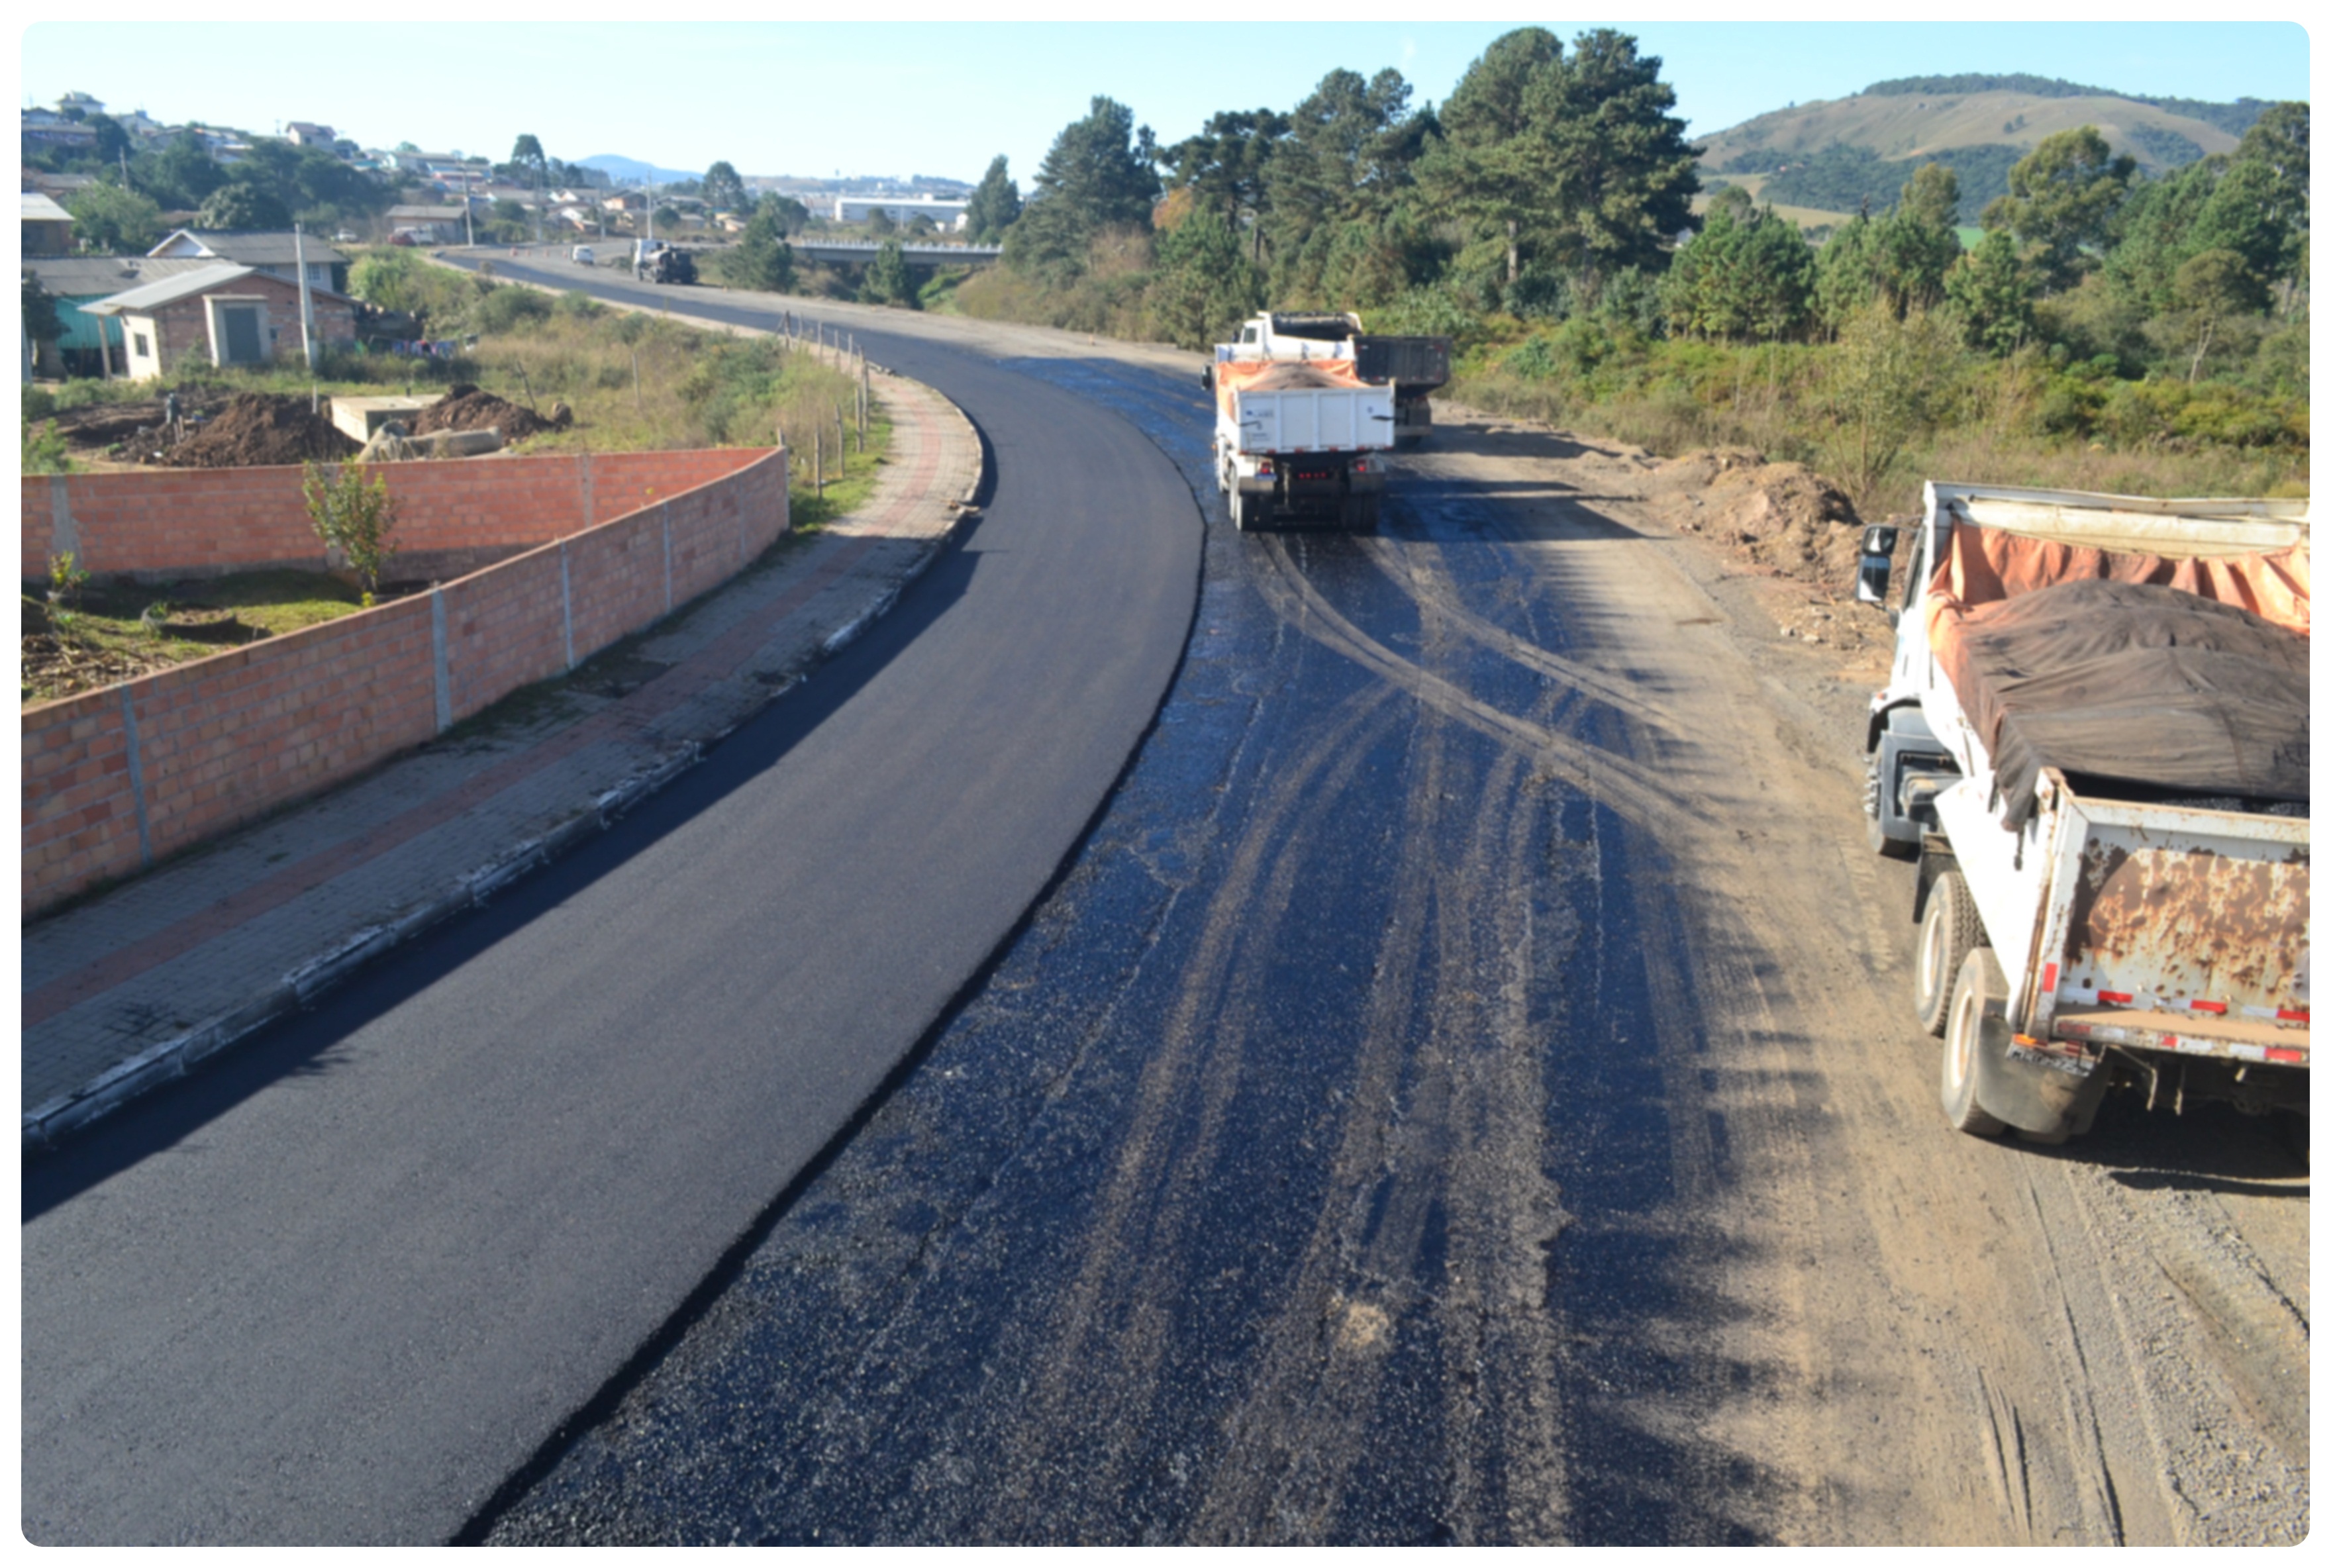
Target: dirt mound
x,y
1781,515
257,430
467,407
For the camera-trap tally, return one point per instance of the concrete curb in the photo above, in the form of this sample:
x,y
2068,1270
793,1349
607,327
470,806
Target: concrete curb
x,y
43,1124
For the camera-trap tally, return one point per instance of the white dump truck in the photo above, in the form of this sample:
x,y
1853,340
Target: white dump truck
x,y
1413,367
2094,740
1299,441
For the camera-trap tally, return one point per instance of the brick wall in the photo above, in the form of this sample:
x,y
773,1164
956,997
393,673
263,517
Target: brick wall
x,y
116,778
452,516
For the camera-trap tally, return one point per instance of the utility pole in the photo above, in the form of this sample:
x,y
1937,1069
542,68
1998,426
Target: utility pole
x,y
307,302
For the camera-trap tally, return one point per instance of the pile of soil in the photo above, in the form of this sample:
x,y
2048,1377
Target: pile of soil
x,y
466,407
1780,515
257,430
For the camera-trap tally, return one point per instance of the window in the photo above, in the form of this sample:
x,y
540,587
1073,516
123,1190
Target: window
x,y
143,352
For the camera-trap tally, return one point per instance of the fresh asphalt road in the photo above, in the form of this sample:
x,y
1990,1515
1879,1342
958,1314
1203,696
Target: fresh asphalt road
x,y
337,1288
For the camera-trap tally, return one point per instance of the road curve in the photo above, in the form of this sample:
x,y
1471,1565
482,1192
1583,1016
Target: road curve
x,y
336,1290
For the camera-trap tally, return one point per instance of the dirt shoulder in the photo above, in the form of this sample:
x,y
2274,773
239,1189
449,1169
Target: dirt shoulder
x,y
1939,1338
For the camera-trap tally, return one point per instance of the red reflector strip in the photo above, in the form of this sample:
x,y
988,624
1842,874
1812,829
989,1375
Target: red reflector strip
x,y
2122,997
2291,1014
2048,979
2286,1053
2218,1007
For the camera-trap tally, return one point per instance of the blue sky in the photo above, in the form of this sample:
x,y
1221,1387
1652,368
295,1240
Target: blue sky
x,y
903,97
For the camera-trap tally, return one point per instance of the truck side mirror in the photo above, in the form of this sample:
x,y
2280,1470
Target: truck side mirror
x,y
1876,563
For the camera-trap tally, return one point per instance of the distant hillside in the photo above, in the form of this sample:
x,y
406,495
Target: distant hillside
x,y
1832,156
632,171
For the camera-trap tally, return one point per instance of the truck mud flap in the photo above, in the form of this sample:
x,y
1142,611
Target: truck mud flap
x,y
2035,1092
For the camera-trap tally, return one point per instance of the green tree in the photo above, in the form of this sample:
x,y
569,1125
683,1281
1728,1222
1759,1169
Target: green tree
x,y
1932,197
2278,143
2060,203
1888,382
243,205
1990,291
1624,174
1097,175
527,153
888,281
762,259
1900,260
724,189
352,515
1572,158
113,221
1225,166
1349,159
880,223
112,142
1741,278
41,322
1205,284
1493,165
2213,286
995,205
180,176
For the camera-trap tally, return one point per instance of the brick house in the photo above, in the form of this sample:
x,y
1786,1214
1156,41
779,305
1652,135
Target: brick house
x,y
231,315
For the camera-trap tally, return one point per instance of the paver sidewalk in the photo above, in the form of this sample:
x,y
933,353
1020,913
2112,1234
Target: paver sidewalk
x,y
126,991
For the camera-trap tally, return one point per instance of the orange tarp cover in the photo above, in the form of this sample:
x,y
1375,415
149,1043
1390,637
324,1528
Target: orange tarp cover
x,y
1279,376
1986,565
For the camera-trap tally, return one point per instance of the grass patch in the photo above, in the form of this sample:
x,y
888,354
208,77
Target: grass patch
x,y
118,631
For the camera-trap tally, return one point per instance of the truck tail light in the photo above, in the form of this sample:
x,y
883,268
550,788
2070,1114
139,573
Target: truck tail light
x,y
1264,468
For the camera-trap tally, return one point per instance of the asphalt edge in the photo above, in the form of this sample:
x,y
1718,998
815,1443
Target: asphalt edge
x,y
43,1126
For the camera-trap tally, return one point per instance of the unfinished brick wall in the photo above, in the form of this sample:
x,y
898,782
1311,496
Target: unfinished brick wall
x,y
116,779
451,516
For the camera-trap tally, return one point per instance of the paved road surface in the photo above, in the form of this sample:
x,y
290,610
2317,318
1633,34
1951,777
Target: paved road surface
x,y
336,1289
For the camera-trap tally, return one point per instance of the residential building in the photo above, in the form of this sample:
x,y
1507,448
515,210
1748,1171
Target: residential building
x,y
229,314
306,133
41,130
271,251
75,282
48,227
81,101
430,225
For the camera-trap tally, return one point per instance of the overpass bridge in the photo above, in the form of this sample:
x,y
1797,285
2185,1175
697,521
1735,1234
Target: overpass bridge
x,y
858,253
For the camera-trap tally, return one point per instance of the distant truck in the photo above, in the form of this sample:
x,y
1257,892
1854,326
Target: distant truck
x,y
662,263
1414,366
2094,740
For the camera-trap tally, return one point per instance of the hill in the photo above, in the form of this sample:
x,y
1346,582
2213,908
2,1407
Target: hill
x,y
1831,156
632,171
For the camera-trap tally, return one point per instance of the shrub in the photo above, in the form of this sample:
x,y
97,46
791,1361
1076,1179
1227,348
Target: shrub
x,y
354,515
512,310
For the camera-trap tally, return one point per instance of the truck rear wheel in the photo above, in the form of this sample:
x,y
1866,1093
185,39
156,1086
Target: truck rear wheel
x,y
1950,931
1246,512
1980,990
1361,513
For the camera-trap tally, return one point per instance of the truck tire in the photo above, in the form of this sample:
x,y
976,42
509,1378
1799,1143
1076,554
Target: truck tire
x,y
1892,849
1982,988
1246,512
1950,931
1361,513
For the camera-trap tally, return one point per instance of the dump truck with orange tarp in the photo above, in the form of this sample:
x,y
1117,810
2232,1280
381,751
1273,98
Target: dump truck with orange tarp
x,y
2094,739
1300,439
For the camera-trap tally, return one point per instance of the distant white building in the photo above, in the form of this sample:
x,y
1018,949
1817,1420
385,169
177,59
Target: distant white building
x,y
945,214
